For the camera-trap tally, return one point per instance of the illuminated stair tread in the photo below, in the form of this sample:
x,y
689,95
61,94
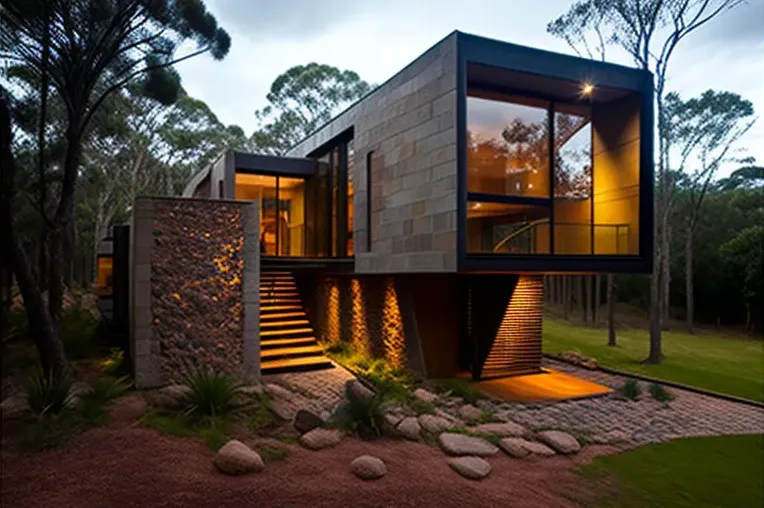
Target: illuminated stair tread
x,y
292,351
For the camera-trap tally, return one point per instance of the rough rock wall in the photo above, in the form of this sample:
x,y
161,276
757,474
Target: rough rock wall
x,y
196,286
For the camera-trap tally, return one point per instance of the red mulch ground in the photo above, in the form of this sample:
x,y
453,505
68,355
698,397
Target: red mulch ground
x,y
132,466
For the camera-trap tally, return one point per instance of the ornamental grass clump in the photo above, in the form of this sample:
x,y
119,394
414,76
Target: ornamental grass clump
x,y
211,393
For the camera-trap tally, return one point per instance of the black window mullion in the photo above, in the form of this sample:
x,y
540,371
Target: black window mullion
x,y
551,154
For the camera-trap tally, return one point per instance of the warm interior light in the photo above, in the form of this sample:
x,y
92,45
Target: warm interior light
x,y
587,89
392,327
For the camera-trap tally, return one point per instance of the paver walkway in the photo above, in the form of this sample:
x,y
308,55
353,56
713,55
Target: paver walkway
x,y
643,421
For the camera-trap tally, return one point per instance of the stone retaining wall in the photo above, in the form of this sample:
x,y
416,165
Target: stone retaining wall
x,y
195,280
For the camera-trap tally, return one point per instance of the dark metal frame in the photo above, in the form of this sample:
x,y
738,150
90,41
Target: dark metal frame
x,y
478,50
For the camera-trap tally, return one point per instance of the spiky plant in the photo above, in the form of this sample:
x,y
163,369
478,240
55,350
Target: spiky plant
x,y
211,393
48,394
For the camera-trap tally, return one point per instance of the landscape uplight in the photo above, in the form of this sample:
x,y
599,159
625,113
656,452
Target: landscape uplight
x,y
587,89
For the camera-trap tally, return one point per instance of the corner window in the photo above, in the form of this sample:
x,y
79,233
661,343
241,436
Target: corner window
x,y
547,177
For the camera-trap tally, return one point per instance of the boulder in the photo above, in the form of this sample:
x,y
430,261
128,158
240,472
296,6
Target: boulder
x,y
447,416
170,397
460,444
318,439
425,396
283,409
247,395
305,421
434,424
514,447
355,391
236,458
473,468
13,407
506,429
590,363
368,467
561,442
409,428
537,448
470,413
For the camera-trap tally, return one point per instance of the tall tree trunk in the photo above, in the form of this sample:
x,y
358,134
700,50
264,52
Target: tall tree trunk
x,y
42,261
597,300
44,331
689,282
588,298
565,297
610,311
666,274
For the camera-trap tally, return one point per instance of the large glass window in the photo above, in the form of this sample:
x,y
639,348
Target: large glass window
x,y
572,179
589,204
507,145
504,228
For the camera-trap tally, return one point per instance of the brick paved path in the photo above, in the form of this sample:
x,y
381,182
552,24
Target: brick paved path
x,y
643,421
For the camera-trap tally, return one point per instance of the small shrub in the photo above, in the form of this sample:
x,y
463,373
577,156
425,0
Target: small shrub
x,y
630,389
461,388
92,405
260,417
47,394
659,393
213,431
113,363
215,435
289,438
212,393
421,407
364,417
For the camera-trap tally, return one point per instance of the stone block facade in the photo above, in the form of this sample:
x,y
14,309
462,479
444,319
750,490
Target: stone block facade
x,y
406,129
195,288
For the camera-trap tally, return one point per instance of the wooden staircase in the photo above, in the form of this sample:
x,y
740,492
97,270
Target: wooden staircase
x,y
287,341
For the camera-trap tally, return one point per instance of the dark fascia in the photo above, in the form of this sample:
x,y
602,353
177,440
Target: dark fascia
x,y
273,165
481,50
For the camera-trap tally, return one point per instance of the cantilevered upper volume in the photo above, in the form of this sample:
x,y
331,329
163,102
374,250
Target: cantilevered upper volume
x,y
479,156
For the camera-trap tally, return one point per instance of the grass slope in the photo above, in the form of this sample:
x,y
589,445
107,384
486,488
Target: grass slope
x,y
723,364
707,472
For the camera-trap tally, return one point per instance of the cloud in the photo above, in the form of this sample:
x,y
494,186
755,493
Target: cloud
x,y
297,19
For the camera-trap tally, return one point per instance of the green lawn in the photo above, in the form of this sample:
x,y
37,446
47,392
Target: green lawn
x,y
727,365
708,472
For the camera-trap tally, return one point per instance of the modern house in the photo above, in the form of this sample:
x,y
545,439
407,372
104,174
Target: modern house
x,y
417,224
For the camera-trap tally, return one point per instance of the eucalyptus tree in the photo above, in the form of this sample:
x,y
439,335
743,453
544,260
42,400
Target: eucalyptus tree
x,y
649,31
84,51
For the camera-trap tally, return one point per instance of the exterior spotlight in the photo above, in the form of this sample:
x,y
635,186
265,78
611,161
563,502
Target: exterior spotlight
x,y
587,89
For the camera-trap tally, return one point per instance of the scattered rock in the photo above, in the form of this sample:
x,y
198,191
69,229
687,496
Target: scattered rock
x,y
283,409
560,441
447,416
247,395
590,363
612,437
537,448
237,458
434,424
514,447
305,421
470,413
473,468
13,407
460,444
170,397
453,401
506,429
278,392
318,439
368,467
355,391
425,396
409,428
79,388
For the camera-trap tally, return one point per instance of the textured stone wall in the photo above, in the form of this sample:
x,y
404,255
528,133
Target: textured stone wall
x,y
191,288
408,124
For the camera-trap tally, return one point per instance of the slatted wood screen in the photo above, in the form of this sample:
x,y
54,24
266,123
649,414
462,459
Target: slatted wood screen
x,y
516,348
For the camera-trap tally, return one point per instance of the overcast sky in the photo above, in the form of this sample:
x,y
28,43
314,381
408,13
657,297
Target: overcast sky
x,y
378,38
